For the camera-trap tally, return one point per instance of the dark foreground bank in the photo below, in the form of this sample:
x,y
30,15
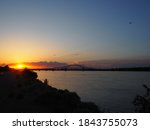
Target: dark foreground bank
x,y
21,91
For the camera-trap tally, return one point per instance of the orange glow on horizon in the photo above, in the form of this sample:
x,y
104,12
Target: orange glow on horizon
x,y
19,66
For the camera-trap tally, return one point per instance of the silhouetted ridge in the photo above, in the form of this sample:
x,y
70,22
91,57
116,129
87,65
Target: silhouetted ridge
x,y
21,91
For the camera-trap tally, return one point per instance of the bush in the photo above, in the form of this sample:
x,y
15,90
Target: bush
x,y
142,103
29,74
5,68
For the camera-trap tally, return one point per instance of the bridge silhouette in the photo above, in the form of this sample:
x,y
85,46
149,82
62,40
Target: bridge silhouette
x,y
72,67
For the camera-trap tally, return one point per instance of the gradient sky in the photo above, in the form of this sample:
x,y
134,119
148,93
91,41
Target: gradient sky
x,y
74,30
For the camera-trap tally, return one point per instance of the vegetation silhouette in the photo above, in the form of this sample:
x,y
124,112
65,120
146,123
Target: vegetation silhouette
x,y
21,91
4,69
29,74
77,67
142,103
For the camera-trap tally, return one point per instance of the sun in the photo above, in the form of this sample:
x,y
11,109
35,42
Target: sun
x,y
19,66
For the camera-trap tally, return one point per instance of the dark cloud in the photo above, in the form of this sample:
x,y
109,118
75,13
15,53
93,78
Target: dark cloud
x,y
47,64
42,64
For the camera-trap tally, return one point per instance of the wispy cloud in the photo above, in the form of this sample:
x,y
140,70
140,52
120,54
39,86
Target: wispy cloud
x,y
75,54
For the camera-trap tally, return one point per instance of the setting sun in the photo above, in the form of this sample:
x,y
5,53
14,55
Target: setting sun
x,y
19,66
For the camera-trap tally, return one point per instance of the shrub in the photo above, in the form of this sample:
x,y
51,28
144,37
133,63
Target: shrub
x,y
142,103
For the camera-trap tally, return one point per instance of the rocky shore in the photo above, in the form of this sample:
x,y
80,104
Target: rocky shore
x,y
21,91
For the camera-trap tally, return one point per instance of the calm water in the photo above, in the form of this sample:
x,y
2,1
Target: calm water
x,y
113,91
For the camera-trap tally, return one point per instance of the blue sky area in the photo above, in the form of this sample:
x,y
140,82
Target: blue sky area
x,y
74,30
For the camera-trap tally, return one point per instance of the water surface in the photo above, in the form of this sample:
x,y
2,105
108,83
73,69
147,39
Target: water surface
x,y
113,91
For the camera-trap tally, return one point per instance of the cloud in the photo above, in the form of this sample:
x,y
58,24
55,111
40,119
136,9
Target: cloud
x,y
2,64
46,64
75,54
42,64
109,63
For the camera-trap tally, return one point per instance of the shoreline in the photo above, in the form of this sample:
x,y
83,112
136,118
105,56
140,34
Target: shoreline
x,y
21,91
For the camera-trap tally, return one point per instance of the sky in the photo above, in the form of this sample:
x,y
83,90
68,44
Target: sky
x,y
75,31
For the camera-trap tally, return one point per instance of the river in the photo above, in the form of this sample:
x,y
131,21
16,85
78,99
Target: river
x,y
112,91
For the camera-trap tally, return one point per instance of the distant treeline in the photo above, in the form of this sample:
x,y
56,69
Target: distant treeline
x,y
126,69
93,69
5,68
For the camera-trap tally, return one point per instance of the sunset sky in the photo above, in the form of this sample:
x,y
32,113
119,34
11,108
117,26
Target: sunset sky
x,y
75,31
